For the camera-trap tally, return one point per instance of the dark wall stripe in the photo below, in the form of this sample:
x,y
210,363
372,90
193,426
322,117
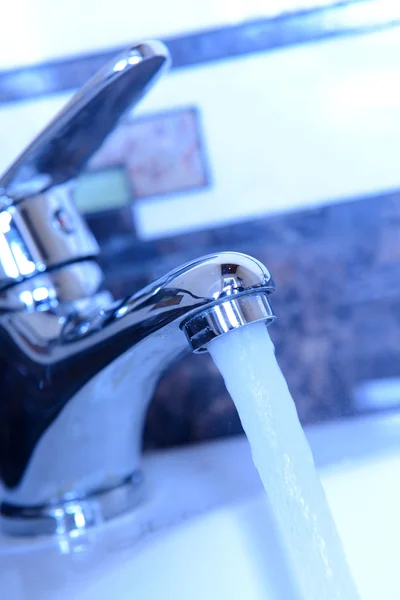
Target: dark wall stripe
x,y
340,19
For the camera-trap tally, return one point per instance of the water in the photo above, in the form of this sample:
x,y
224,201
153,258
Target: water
x,y
312,548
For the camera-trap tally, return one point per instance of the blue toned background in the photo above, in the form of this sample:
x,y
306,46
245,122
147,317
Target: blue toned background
x,y
276,133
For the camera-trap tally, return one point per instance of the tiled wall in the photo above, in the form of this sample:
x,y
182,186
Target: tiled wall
x,y
305,126
337,302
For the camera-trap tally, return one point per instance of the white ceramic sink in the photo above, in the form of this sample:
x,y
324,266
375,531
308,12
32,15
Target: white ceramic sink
x,y
204,531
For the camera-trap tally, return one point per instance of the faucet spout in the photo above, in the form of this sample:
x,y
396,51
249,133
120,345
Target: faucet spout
x,y
78,386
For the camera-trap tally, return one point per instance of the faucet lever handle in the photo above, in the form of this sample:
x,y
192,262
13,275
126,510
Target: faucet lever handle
x,y
62,150
40,226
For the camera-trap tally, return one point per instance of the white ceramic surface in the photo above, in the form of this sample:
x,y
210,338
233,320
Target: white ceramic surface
x,y
203,531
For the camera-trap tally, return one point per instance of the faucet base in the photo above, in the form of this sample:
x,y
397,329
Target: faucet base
x,y
73,515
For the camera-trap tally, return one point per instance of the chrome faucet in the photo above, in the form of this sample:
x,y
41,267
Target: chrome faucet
x,y
77,368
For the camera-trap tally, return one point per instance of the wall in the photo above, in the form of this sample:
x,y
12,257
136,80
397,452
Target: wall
x,y
284,130
301,146
33,32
